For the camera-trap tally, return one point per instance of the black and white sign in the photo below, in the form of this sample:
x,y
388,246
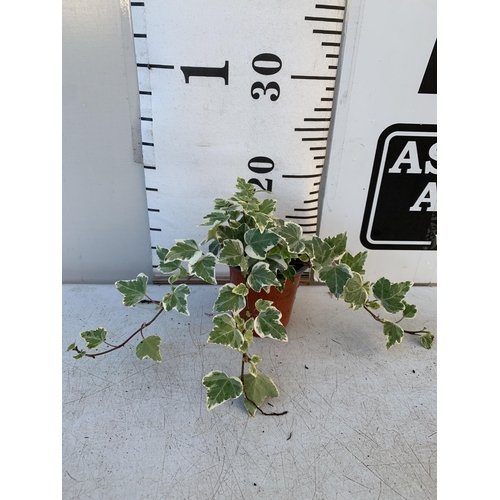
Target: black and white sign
x,y
401,209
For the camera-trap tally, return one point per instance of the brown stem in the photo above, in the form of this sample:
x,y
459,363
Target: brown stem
x,y
139,330
377,318
242,378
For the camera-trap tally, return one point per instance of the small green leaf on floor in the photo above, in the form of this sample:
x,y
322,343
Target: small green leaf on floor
x,y
149,347
220,388
393,332
257,389
177,299
427,339
94,338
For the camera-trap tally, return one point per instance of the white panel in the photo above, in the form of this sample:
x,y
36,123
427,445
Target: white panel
x,y
386,51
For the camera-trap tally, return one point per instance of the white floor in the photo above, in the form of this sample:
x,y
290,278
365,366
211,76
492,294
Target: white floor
x,y
361,421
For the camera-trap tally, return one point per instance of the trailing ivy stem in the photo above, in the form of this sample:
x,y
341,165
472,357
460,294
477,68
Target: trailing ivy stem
x,y
139,330
242,377
410,332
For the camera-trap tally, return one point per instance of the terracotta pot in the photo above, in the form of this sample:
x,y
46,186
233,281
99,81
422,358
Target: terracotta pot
x,y
283,301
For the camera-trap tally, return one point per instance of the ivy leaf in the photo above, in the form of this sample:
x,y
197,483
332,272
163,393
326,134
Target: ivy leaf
x,y
258,244
267,206
149,347
292,234
71,347
335,278
215,217
257,389
337,243
232,253
391,295
427,340
393,332
354,292
221,388
268,324
228,300
355,262
169,267
410,310
241,289
184,250
177,299
262,277
261,220
94,338
133,291
204,268
81,354
225,332
263,305
323,254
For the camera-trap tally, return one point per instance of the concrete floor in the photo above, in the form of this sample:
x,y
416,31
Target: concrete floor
x,y
361,421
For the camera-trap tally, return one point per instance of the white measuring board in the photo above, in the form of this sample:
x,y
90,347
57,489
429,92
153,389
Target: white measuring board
x,y
234,89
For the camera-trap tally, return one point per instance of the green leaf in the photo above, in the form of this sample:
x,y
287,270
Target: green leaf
x,y
337,243
268,324
241,289
204,268
267,206
354,292
215,217
427,340
71,347
81,354
355,262
220,388
410,310
263,305
336,278
228,300
255,359
292,234
232,253
262,277
258,244
393,332
169,267
257,389
94,338
391,295
177,299
149,347
225,332
184,250
323,254
261,220
133,291
244,187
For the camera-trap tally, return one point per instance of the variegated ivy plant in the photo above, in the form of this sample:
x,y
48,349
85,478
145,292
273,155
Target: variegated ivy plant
x,y
243,233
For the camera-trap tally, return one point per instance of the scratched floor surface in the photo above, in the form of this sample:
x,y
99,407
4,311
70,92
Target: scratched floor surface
x,y
361,421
